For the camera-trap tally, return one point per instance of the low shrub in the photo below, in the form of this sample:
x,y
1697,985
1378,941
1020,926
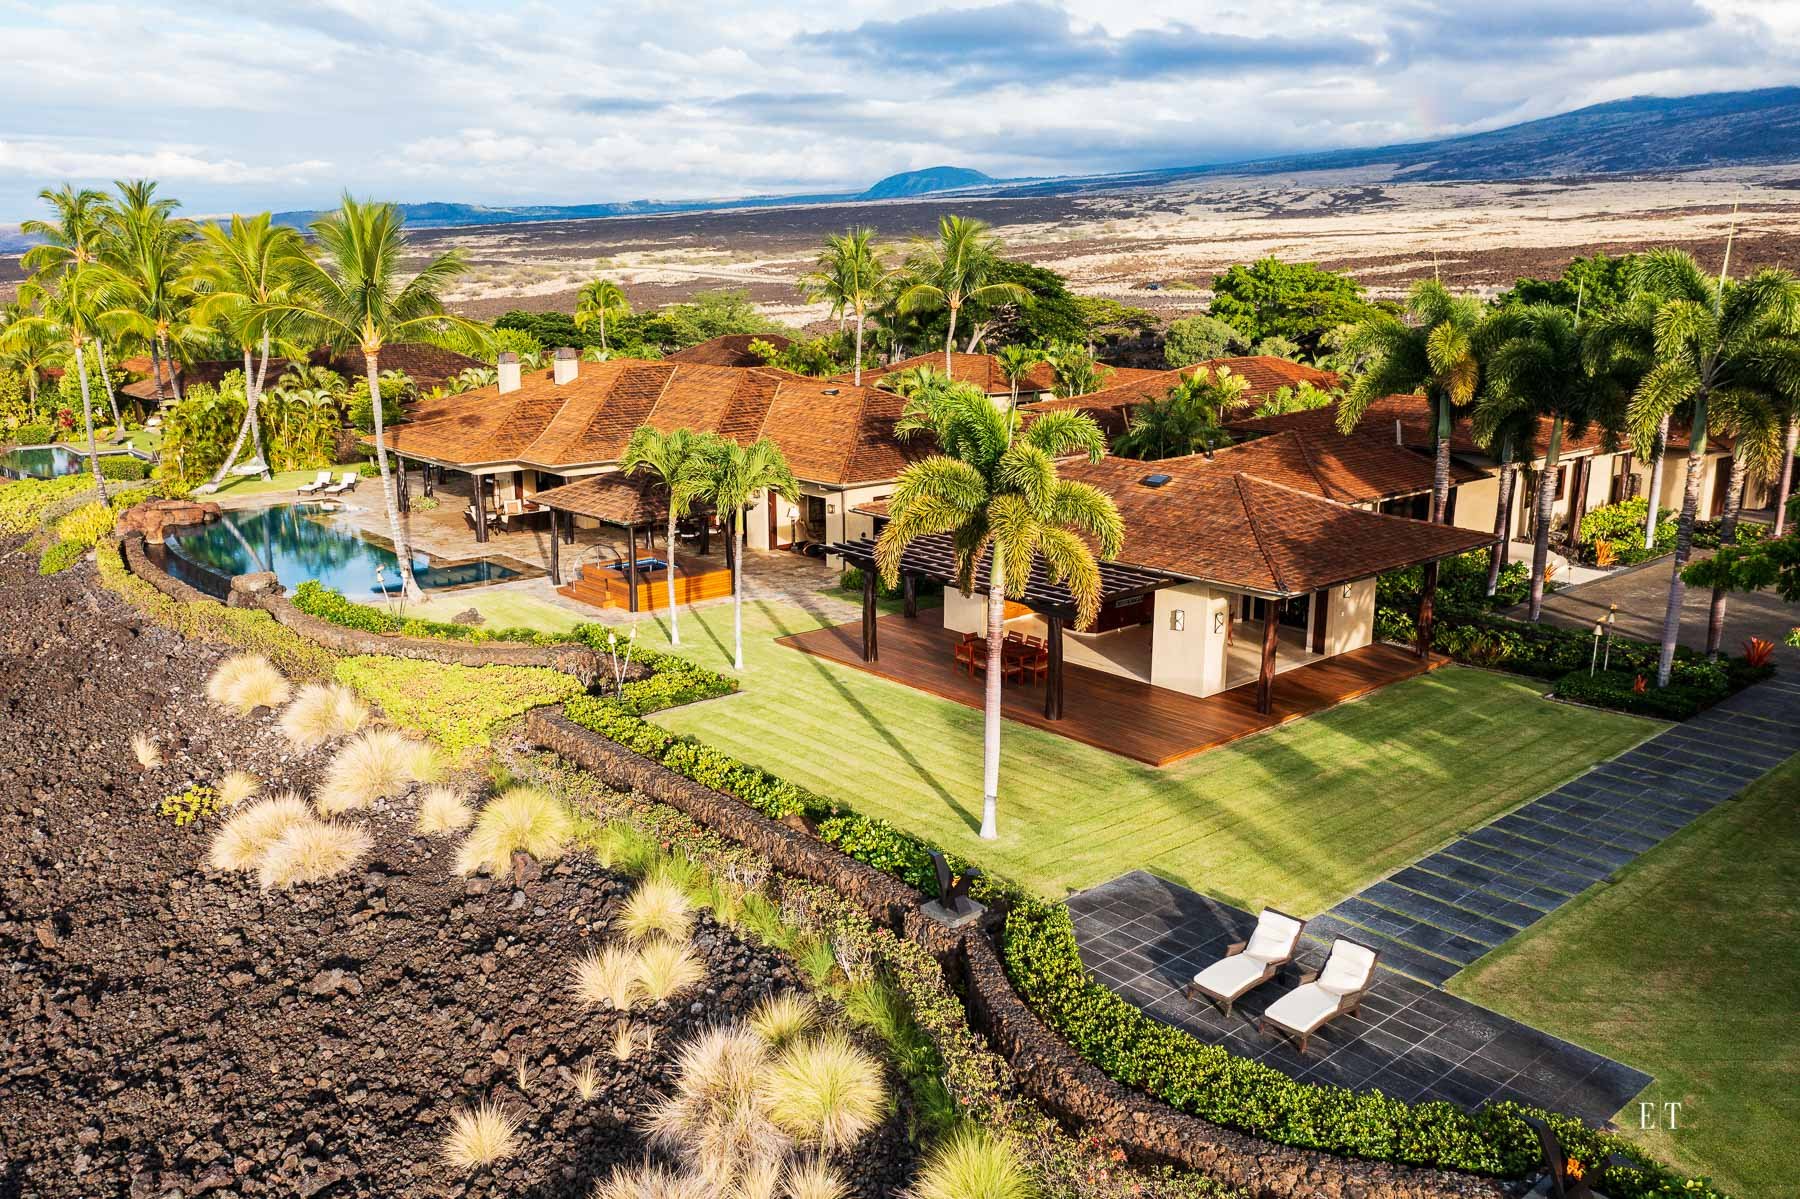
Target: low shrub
x,y
23,503
190,806
521,818
124,468
1693,687
1620,529
33,434
1462,581
87,524
60,556
456,706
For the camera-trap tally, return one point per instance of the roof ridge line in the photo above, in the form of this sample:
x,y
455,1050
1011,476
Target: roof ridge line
x,y
1312,466
1239,478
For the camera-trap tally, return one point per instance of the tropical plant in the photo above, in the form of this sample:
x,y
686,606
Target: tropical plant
x,y
850,275
1432,351
1753,423
957,268
359,299
1190,418
1016,362
1709,342
1502,425
1076,371
1197,338
32,347
994,489
730,477
1295,300
680,459
146,250
598,300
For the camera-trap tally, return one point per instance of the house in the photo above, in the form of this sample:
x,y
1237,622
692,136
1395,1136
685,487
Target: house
x,y
1112,405
533,430
732,349
982,370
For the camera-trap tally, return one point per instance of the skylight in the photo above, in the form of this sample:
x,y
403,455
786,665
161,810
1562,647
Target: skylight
x,y
1154,480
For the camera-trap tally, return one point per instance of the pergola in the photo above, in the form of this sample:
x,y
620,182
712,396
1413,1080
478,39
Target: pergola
x,y
934,558
627,501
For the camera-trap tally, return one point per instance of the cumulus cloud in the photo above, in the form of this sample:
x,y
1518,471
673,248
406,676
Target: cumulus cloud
x,y
46,160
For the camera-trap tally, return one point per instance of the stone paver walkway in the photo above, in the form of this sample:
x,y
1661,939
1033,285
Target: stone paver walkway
x,y
1436,916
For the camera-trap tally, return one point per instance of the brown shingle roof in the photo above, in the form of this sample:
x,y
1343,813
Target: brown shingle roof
x,y
1408,420
635,499
1217,523
427,365
831,432
732,349
1111,406
983,370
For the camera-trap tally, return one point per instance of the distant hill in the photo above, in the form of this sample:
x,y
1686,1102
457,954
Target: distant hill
x,y
931,179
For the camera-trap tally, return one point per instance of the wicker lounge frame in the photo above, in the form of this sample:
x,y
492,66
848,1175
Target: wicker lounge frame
x,y
1195,990
1349,1002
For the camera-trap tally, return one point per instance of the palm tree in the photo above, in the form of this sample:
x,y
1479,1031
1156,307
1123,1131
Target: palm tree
x,y
730,478
1502,424
31,347
67,274
242,272
1016,362
1753,423
1784,475
598,300
1706,338
850,274
360,300
1077,374
680,460
1432,350
911,380
1190,418
1538,367
995,490
147,252
955,269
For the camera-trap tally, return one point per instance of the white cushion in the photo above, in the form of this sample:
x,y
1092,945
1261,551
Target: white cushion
x,y
1347,969
1303,1008
1230,977
1274,937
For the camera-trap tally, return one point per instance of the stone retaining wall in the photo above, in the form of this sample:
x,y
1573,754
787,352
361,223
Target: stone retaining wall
x,y
137,561
1048,1069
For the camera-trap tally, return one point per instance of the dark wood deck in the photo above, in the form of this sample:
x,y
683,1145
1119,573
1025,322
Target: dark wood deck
x,y
1133,719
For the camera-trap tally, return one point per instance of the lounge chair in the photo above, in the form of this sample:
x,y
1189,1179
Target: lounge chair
x,y
1249,964
347,483
1324,995
317,484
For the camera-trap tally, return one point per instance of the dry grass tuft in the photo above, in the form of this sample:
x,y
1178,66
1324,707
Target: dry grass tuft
x,y
145,751
813,1179
714,1119
480,1136
424,763
245,683
780,1019
442,810
652,1182
665,970
236,787
321,712
587,1082
658,908
608,976
243,839
524,818
624,1043
758,1180
311,852
972,1163
370,766
824,1092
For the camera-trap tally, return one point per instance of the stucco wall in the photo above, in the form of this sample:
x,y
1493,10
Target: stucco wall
x,y
1190,659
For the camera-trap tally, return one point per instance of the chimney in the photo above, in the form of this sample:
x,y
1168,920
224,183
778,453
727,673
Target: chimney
x,y
1398,439
508,366
567,365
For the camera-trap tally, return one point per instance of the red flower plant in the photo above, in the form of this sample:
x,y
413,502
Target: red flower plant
x,y
1639,685
1757,652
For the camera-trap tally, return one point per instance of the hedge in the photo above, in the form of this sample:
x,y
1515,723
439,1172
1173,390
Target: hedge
x,y
1694,686
34,434
124,468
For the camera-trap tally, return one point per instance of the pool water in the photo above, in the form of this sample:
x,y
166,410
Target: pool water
x,y
644,565
305,541
41,462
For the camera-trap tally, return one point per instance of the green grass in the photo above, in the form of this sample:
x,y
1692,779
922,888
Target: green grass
x,y
1298,817
500,608
1687,967
235,486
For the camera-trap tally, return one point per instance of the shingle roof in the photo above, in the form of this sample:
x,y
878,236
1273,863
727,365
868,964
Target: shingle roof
x,y
1217,523
1354,470
731,349
983,370
427,365
1408,420
635,499
1111,406
831,432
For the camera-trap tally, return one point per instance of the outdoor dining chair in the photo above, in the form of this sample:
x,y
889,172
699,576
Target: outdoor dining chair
x,y
1247,965
1324,995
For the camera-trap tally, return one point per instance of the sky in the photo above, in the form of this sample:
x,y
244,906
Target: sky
x,y
241,105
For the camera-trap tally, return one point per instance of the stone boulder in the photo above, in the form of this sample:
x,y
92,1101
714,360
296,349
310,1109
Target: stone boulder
x,y
153,518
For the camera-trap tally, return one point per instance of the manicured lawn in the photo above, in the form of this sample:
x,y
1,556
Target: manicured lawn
x,y
1688,967
235,486
1298,817
501,608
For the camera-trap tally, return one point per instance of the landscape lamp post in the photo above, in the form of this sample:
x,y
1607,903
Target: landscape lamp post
x,y
1594,658
1612,614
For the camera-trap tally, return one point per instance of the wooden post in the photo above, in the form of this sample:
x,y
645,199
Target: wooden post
x,y
480,489
555,549
631,565
1321,606
404,488
1265,678
909,595
870,651
1053,686
1427,595
428,469
1578,500
705,535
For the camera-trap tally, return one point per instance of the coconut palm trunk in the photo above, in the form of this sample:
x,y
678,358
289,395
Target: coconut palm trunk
x,y
990,709
169,361
669,548
106,380
737,590
1658,452
1440,464
1684,541
1502,517
389,499
1546,506
87,419
950,337
1790,436
156,371
1734,506
856,376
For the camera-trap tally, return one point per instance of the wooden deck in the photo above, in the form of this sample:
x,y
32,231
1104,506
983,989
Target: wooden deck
x,y
1133,719
697,579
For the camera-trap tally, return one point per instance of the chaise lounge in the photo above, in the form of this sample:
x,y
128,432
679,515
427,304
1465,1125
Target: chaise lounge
x,y
1324,995
318,484
1247,965
348,483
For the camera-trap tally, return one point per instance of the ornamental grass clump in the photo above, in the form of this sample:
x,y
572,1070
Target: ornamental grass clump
x,y
607,977
374,764
310,853
322,712
650,1181
145,751
714,1120
480,1136
665,970
245,683
824,1092
658,908
813,1179
520,818
443,810
236,787
972,1163
243,839
781,1019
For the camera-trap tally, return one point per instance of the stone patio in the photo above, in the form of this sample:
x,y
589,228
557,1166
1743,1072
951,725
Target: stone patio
x,y
1145,938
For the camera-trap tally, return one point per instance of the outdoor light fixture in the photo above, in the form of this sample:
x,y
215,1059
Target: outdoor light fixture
x,y
1218,622
1612,614
1177,620
1594,658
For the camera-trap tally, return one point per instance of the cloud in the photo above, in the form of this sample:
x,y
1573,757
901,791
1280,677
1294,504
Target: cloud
x,y
46,160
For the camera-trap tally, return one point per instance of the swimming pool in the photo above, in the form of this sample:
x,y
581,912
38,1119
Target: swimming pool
x,y
307,541
41,462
